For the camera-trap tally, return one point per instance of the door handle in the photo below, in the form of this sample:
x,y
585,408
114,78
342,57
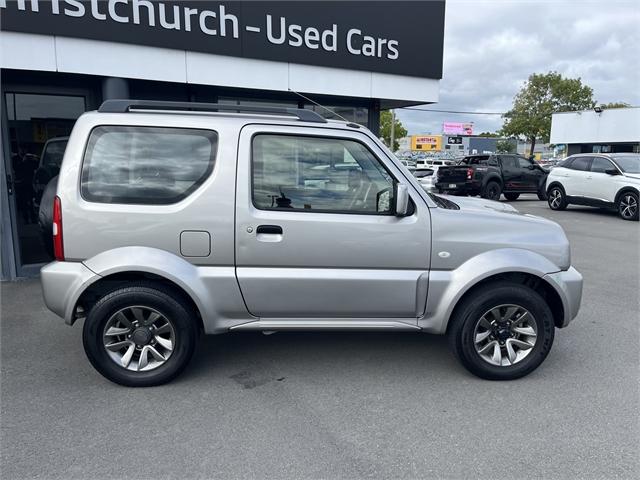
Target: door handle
x,y
269,229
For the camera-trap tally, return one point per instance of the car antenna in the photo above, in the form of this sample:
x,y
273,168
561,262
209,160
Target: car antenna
x,y
321,106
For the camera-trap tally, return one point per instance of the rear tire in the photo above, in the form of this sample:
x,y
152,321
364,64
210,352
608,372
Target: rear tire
x,y
556,198
155,327
492,191
511,196
502,352
628,206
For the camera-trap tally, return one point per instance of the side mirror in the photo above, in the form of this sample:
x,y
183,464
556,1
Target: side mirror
x,y
531,167
612,171
402,200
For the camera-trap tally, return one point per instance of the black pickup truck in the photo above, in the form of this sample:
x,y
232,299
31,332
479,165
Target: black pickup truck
x,y
493,175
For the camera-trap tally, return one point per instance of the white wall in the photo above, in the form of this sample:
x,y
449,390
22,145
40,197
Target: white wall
x,y
610,126
25,51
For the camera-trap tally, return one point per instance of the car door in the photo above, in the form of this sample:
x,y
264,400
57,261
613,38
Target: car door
x,y
601,185
315,236
510,172
530,174
576,183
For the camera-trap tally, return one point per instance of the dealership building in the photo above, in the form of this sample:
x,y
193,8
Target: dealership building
x,y
61,58
597,131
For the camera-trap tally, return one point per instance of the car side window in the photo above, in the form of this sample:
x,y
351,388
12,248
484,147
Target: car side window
x,y
581,163
524,163
508,161
600,165
318,174
566,163
493,161
146,165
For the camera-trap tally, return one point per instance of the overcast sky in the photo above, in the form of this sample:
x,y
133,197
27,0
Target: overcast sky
x,y
491,47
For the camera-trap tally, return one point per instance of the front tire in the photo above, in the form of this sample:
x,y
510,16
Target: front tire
x,y
502,331
556,198
492,191
628,206
140,336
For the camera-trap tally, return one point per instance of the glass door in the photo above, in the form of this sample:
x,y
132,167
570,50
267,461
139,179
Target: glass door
x,y
38,126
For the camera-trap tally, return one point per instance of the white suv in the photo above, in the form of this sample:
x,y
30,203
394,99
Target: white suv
x,y
597,180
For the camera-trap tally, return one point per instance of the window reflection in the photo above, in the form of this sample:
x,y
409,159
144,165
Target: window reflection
x,y
319,174
146,165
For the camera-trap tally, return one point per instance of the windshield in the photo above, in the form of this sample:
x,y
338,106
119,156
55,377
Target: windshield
x,y
54,151
628,163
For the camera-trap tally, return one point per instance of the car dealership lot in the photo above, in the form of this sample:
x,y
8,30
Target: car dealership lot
x,y
295,405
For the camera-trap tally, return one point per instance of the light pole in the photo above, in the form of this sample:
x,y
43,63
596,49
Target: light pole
x,y
393,130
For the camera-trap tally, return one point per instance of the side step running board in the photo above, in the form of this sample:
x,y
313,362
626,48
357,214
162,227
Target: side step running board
x,y
316,324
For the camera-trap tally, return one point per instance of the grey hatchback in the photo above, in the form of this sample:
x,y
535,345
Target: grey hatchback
x,y
174,219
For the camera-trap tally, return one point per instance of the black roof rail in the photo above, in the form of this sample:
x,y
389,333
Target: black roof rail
x,y
124,106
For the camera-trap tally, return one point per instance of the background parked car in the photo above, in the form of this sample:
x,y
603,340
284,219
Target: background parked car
x,y
48,167
492,175
597,180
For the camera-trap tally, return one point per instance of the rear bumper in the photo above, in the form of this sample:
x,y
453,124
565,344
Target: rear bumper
x,y
62,284
568,284
457,188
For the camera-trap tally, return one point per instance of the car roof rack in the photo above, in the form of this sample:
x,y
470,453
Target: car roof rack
x,y
124,106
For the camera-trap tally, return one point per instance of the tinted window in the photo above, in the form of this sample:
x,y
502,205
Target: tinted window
x,y
599,165
146,165
318,174
581,163
566,163
509,162
524,163
475,160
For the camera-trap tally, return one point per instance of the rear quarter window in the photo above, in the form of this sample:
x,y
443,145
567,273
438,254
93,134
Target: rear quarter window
x,y
146,165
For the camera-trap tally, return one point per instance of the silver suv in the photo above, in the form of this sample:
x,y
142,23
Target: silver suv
x,y
174,219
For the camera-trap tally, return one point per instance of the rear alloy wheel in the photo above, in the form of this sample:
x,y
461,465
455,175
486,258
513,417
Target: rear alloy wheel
x,y
628,206
492,191
511,196
502,331
141,335
556,199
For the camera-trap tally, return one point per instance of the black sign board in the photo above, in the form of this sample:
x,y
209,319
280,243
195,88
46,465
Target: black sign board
x,y
398,37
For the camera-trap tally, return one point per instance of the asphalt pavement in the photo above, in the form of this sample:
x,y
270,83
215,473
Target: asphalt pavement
x,y
336,405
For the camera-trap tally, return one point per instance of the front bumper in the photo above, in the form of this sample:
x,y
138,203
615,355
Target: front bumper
x,y
568,284
62,284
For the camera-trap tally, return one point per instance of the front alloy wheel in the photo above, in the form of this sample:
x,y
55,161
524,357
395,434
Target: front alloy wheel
x,y
502,331
628,206
505,335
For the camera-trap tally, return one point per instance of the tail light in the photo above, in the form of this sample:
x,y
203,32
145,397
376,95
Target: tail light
x,y
58,247
469,173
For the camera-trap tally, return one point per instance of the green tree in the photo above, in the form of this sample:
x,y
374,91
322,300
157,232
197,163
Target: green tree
x,y
542,95
607,106
488,135
385,130
506,146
